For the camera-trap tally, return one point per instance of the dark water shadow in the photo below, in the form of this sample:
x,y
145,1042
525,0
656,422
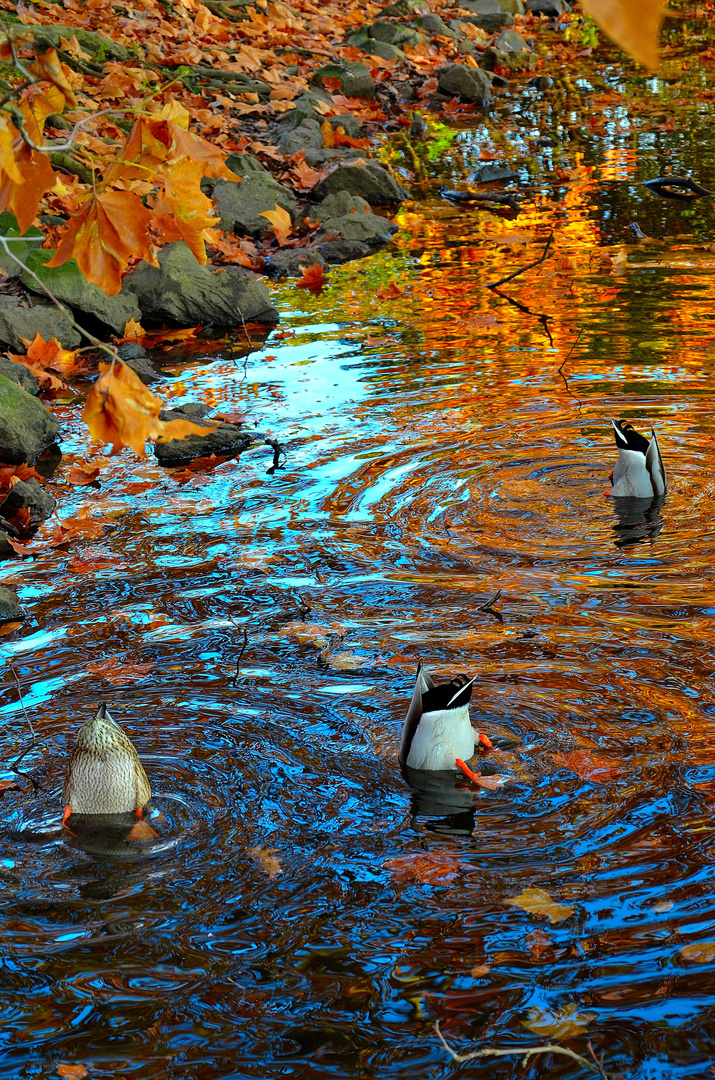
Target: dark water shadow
x,y
442,800
637,520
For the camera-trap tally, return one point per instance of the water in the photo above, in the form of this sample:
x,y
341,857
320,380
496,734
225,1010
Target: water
x,y
441,445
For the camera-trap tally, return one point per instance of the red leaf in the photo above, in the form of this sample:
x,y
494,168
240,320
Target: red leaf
x,y
312,279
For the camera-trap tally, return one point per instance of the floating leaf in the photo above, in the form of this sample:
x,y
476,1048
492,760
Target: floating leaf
x,y
142,832
72,1072
428,868
389,292
582,762
83,473
559,1024
266,859
114,671
701,952
538,902
538,942
312,278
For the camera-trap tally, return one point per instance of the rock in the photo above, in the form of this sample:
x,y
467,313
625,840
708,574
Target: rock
x,y
370,229
342,251
374,47
435,26
10,610
70,286
349,123
510,41
403,8
371,182
292,262
552,8
507,61
189,408
316,158
489,23
468,83
240,205
244,165
18,321
491,172
337,205
405,90
306,136
395,33
182,292
26,425
20,375
29,496
514,7
6,549
465,47
226,440
143,367
355,78
481,7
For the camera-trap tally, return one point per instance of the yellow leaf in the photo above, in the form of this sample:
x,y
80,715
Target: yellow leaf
x,y
702,952
538,902
8,134
175,111
560,1024
47,66
267,860
133,330
632,24
281,221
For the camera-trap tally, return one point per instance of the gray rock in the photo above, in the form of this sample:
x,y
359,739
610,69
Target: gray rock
x,y
491,172
70,286
189,408
489,23
307,136
510,41
435,26
370,229
349,123
10,609
182,292
225,440
371,182
507,61
467,46
514,7
143,367
337,205
27,426
316,158
403,8
552,8
373,47
292,262
468,83
355,78
481,7
18,321
395,33
6,550
244,165
336,252
28,495
405,90
240,205
20,375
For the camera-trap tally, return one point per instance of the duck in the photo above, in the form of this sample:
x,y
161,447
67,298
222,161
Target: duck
x,y
437,729
639,472
104,775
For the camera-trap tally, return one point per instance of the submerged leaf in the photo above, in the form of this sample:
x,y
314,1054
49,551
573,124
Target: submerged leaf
x,y
701,952
428,868
597,770
266,859
538,902
560,1024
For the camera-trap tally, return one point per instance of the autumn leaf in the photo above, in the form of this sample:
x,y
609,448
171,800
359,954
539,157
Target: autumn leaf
x,y
311,633
133,330
538,902
538,943
266,859
632,24
182,211
114,671
121,410
23,196
83,474
700,952
597,770
389,292
8,135
281,221
428,868
142,832
111,229
10,475
312,279
47,66
44,355
72,1072
558,1024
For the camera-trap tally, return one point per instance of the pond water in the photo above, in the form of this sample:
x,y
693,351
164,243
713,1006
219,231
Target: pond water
x,y
303,911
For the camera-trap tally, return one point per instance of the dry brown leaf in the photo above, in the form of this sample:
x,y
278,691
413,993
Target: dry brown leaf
x,y
83,473
701,952
266,859
560,1024
311,633
588,767
72,1072
538,902
430,869
633,24
538,942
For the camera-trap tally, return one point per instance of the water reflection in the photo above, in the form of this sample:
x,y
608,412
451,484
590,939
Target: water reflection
x,y
443,800
637,520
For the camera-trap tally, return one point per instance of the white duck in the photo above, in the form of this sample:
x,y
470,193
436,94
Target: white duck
x,y
437,728
639,472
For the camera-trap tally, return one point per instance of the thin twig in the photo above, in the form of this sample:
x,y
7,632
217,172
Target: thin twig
x,y
487,605
19,694
529,266
563,364
240,655
523,1052
19,121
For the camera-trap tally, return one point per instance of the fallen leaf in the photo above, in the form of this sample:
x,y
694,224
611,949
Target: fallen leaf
x,y
311,633
538,942
388,292
266,859
114,671
133,330
47,66
538,902
430,869
83,473
480,971
8,785
701,952
281,221
597,770
560,1024
663,906
142,831
312,279
72,1072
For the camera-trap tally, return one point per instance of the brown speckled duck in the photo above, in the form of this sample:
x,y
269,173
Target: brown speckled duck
x,y
105,775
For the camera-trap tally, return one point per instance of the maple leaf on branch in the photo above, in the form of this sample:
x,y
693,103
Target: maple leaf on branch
x,y
47,66
181,210
120,410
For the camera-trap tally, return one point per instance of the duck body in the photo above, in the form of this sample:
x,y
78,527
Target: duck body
x,y
639,472
437,729
104,775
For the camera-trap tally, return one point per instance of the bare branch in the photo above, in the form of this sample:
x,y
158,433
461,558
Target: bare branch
x,y
55,148
529,266
524,1052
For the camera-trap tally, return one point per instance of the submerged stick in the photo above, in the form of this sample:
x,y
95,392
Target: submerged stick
x,y
523,1052
529,266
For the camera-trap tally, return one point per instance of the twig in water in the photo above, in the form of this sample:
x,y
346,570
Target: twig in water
x,y
22,703
529,266
240,656
523,1052
563,365
277,451
487,605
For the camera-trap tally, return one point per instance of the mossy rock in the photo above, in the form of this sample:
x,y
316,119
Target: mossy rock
x,y
354,77
27,427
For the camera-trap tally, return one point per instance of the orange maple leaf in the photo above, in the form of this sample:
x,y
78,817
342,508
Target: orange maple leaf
x,y
133,330
389,292
120,410
111,229
47,66
36,177
181,210
312,278
83,473
46,354
281,221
